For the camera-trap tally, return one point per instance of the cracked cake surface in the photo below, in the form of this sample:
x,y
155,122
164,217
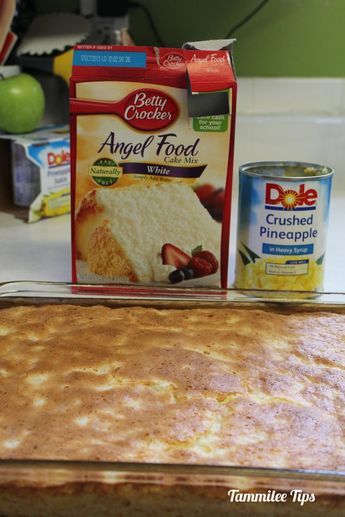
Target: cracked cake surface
x,y
207,386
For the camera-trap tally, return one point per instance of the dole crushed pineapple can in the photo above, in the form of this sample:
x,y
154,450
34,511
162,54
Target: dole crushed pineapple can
x,y
282,225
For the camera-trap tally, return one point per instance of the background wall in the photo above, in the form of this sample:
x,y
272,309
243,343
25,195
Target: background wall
x,y
300,38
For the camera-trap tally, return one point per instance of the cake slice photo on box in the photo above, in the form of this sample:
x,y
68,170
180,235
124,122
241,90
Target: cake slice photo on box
x,y
147,233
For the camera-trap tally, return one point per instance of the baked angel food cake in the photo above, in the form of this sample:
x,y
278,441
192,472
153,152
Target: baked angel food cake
x,y
120,232
200,386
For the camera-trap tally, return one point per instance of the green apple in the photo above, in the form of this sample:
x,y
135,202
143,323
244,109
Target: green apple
x,y
21,103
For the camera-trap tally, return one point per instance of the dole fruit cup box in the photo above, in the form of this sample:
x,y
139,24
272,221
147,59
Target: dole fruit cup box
x,y
152,137
40,163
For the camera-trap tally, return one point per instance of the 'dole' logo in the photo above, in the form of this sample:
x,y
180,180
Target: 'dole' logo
x,y
277,197
58,159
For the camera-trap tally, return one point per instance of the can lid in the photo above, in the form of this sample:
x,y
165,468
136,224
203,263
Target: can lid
x,y
290,171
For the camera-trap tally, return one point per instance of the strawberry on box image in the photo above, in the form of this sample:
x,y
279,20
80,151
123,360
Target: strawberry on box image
x,y
152,136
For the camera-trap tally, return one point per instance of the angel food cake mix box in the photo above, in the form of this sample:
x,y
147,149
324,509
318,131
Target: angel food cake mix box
x,y
152,135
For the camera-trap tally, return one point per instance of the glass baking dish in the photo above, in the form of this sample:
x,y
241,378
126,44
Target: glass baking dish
x,y
67,488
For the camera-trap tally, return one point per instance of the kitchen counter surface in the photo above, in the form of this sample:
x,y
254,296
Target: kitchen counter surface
x,y
41,251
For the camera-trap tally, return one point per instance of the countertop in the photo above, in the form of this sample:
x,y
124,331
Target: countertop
x,y
41,251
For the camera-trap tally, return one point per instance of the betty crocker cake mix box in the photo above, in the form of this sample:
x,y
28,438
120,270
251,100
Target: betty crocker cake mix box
x,y
152,137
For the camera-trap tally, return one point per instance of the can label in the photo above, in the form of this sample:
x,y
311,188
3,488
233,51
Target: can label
x,y
282,227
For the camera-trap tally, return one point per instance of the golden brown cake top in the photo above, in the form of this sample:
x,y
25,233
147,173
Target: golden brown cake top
x,y
217,386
